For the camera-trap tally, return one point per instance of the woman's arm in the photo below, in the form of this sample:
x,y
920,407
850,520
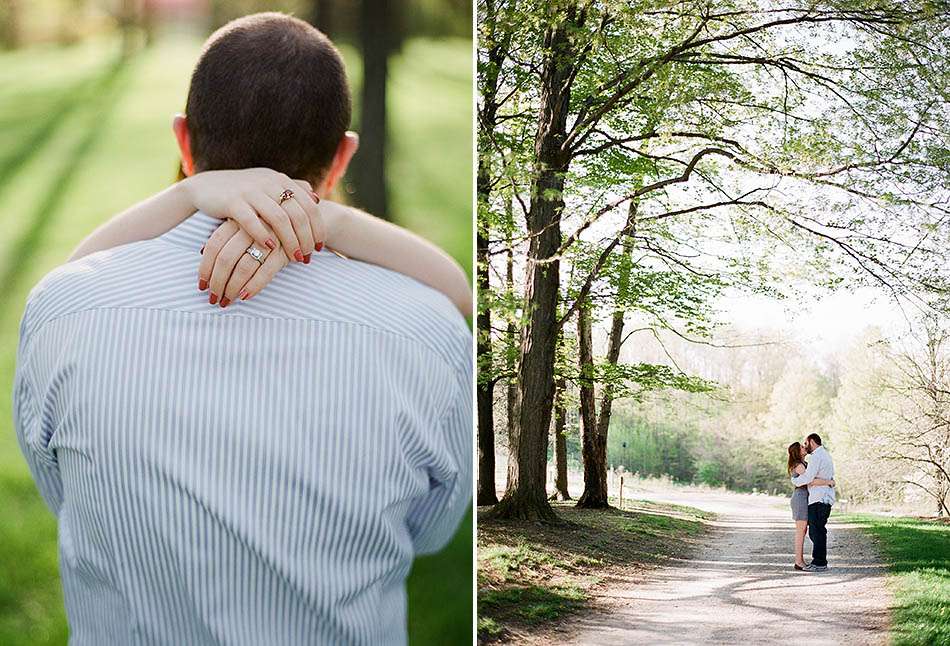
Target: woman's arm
x,y
821,482
250,197
359,235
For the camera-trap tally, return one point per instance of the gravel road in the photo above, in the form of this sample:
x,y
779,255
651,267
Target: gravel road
x,y
740,587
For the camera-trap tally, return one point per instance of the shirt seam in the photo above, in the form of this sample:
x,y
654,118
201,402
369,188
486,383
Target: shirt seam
x,y
404,337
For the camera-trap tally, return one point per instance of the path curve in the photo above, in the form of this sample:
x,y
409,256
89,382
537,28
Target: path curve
x,y
740,587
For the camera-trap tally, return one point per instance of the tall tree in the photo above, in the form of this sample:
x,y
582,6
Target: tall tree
x,y
495,41
525,496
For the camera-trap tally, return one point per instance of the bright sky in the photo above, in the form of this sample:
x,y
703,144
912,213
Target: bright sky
x,y
822,324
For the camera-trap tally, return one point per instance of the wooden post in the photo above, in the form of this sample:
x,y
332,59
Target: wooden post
x,y
621,492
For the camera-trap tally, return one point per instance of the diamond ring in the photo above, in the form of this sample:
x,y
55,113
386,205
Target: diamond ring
x,y
255,253
286,195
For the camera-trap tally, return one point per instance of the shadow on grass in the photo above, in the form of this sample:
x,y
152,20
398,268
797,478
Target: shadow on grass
x,y
530,572
98,98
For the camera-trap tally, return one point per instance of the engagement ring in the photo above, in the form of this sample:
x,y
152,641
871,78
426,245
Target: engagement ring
x,y
286,195
255,253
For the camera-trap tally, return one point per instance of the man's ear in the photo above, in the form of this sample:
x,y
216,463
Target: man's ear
x,y
341,160
180,128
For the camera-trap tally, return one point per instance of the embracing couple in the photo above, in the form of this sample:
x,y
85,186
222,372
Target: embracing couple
x,y
245,438
812,472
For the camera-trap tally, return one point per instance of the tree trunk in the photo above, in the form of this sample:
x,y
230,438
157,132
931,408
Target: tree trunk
x,y
595,476
488,110
512,338
369,173
486,406
525,496
594,447
560,445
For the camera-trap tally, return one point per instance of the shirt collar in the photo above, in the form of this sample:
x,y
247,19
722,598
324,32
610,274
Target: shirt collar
x,y
193,232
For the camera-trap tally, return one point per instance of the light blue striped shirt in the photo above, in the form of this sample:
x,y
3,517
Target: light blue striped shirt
x,y
261,474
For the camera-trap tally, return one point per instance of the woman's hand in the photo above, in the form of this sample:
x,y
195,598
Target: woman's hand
x,y
252,198
229,273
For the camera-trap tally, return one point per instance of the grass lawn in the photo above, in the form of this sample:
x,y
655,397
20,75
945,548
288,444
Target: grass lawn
x,y
918,558
81,138
531,573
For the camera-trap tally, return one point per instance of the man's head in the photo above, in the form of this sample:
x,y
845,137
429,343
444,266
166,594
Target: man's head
x,y
268,90
812,442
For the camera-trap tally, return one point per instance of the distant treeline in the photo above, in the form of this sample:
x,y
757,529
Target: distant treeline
x,y
686,454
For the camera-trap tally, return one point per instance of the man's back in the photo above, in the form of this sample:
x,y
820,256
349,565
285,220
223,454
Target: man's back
x,y
261,474
826,471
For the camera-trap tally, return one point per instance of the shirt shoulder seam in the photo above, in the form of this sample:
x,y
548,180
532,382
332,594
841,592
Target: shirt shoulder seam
x,y
368,326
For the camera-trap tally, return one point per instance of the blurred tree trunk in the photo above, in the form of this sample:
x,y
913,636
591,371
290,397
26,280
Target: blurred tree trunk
x,y
378,39
128,18
9,24
149,21
321,16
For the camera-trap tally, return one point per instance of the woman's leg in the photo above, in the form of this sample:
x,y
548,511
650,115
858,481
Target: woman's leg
x,y
801,528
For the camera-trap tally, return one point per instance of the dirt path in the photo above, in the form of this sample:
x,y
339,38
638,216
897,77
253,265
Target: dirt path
x,y
741,589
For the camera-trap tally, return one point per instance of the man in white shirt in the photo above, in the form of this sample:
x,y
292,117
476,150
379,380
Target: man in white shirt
x,y
820,500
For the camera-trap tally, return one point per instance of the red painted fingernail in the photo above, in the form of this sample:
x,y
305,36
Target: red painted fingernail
x,y
318,246
202,249
298,254
202,284
306,259
225,301
316,198
245,295
270,244
213,298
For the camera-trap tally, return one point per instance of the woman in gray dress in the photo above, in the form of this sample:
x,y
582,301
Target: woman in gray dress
x,y
796,467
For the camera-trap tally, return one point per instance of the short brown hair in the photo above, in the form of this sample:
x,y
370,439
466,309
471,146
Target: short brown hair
x,y
268,90
814,437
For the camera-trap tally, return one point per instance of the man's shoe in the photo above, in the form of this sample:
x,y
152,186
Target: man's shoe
x,y
815,568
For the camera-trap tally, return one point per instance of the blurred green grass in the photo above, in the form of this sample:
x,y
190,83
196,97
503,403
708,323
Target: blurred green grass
x,y
82,138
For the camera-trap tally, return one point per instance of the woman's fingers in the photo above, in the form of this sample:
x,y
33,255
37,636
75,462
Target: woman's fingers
x,y
225,262
247,217
277,218
243,271
211,249
301,223
264,274
310,202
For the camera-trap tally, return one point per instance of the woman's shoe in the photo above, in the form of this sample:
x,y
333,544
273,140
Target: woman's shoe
x,y
799,567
